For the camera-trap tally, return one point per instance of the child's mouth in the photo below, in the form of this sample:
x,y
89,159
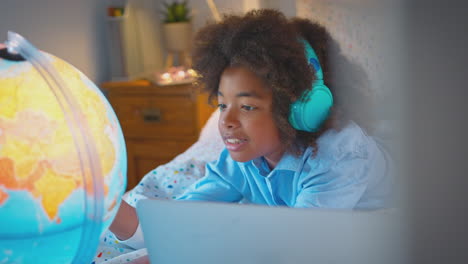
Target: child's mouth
x,y
234,144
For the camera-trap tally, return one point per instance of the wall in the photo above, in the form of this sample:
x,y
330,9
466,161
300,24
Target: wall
x,y
288,7
76,31
370,33
202,14
71,30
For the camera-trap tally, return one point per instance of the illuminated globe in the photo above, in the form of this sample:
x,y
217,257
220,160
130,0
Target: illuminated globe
x,y
62,159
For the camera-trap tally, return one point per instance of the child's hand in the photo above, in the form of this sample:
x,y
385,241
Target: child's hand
x,y
140,260
125,222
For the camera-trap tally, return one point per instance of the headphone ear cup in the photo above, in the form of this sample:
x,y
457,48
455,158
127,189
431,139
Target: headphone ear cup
x,y
310,111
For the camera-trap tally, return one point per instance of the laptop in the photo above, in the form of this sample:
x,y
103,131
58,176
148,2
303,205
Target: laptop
x,y
212,233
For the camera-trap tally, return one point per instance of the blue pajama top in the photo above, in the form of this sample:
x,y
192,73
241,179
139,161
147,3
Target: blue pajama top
x,y
349,171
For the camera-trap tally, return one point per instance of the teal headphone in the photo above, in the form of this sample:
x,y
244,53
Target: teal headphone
x,y
312,108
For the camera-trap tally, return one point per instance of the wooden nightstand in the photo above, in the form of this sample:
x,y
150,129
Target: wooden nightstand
x,y
158,123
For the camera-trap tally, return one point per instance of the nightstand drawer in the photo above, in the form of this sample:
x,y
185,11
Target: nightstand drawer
x,y
158,122
146,155
156,116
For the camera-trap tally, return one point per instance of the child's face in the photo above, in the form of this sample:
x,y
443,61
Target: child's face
x,y
246,122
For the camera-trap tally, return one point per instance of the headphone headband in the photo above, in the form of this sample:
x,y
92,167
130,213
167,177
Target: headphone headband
x,y
312,59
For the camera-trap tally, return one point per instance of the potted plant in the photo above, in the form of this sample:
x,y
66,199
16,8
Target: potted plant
x,y
177,27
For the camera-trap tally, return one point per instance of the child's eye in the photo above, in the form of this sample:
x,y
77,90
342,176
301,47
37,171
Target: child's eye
x,y
221,107
248,107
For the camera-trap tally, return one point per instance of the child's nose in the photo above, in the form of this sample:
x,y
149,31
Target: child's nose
x,y
229,119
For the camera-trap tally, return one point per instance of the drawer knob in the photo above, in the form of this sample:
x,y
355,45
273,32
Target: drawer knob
x,y
152,115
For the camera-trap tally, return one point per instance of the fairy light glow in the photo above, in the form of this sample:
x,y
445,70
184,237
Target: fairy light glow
x,y
176,75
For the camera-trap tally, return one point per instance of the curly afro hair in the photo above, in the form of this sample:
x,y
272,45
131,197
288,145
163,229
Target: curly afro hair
x,y
266,42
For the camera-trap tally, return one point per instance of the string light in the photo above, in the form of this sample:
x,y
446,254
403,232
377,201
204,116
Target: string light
x,y
176,75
